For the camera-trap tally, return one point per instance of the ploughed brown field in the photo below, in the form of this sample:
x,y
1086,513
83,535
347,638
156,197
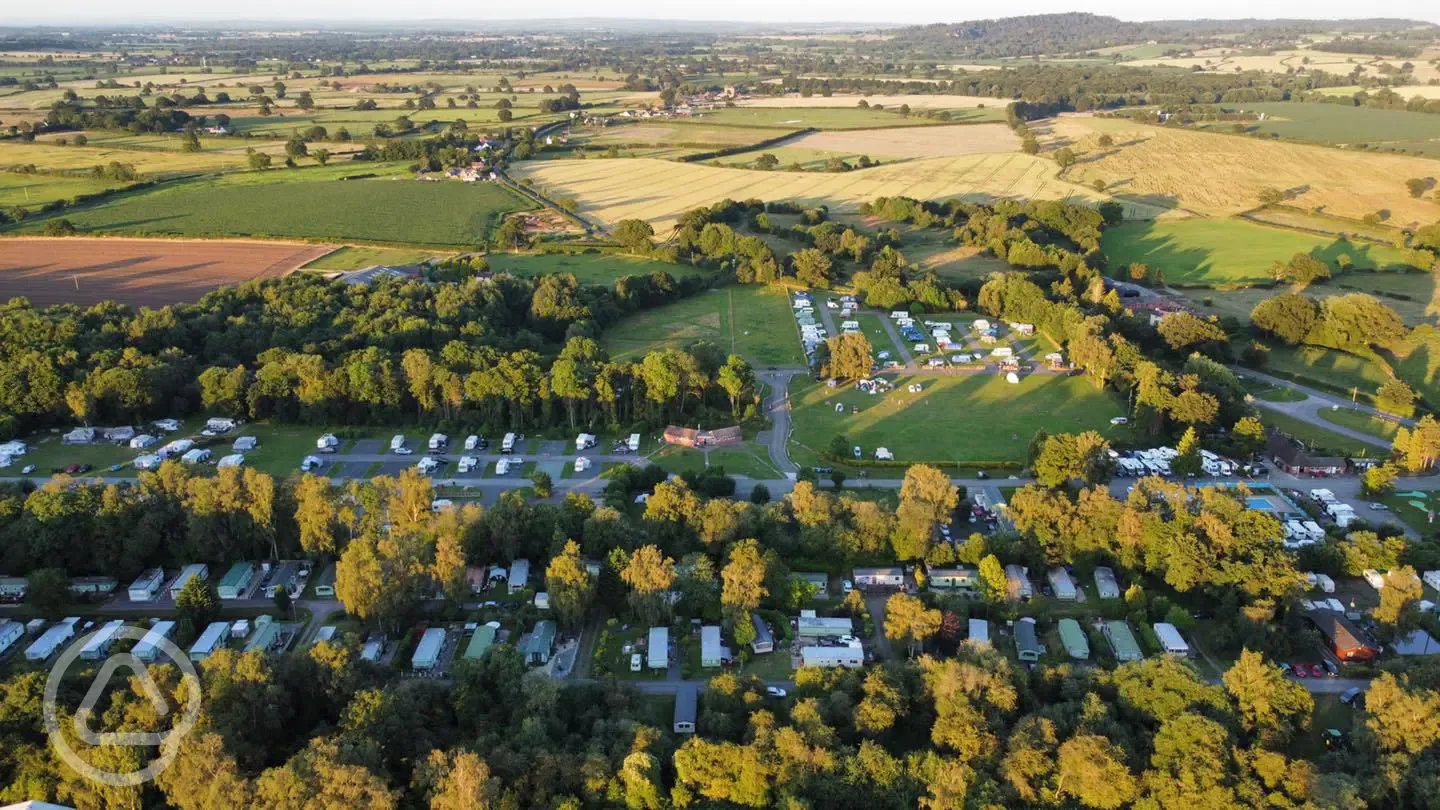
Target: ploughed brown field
x,y
139,272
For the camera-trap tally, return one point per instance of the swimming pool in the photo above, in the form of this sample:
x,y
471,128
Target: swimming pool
x,y
1259,504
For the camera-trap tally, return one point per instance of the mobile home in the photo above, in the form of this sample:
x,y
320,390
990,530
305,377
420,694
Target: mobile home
x,y
519,575
822,626
954,577
148,649
1072,635
101,640
1017,584
51,640
427,652
1170,639
879,577
848,657
685,699
193,571
1027,641
10,632
657,650
236,581
325,583
712,652
979,633
764,641
1122,641
1061,584
214,637
1105,583
147,586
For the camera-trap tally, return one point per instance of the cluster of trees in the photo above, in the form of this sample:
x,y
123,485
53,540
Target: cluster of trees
x,y
1032,235
1355,322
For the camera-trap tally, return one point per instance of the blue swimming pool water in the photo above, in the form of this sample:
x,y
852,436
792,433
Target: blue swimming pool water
x,y
1259,503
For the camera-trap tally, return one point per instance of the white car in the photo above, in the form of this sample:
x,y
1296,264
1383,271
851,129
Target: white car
x,y
775,692
403,451
847,586
1119,420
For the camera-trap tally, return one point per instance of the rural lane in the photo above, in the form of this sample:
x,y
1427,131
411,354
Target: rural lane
x,y
777,407
1308,409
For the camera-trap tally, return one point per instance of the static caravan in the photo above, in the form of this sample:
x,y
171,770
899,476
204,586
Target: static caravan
x,y
712,652
193,571
979,633
245,444
52,640
1072,635
427,652
879,577
519,575
686,698
507,445
848,657
1431,578
214,637
633,442
92,586
1327,585
1170,639
480,642
197,455
101,640
1017,584
822,626
657,650
584,441
325,583
13,589
10,632
1061,584
149,647
232,460
1122,641
146,587
236,581
1375,578
1105,583
397,443
1027,641
764,641
438,442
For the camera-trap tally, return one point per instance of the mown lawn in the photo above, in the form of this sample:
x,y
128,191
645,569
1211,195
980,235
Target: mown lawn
x,y
754,322
749,460
1319,439
354,257
955,418
1361,421
588,268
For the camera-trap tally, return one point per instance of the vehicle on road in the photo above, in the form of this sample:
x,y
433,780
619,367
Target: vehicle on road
x,y
27,469
1332,668
403,451
775,692
1379,507
1349,695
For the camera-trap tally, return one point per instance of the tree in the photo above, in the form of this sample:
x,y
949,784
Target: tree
x,y
198,603
1418,448
650,574
850,356
993,582
1302,268
1182,330
1271,707
1106,141
283,602
881,706
322,156
1029,145
760,495
570,585
541,482
1092,770
296,147
635,235
927,498
1417,186
736,378
1379,481
1395,397
1188,461
1270,196
190,141
48,590
1065,157
1071,456
1289,317
907,619
459,780
1398,597
743,582
259,161
812,268
1249,432
316,515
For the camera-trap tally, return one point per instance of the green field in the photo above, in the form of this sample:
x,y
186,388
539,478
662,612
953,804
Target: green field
x,y
749,459
354,257
588,268
955,418
32,190
309,204
1339,370
1363,422
1320,439
1341,124
837,117
1210,252
754,322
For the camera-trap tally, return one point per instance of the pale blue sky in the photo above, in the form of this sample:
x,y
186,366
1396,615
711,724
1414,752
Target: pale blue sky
x,y
893,11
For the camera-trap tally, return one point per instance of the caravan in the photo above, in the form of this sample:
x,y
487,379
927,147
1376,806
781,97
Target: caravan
x,y
507,446
585,441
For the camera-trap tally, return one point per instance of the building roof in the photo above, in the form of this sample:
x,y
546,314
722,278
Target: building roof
x,y
762,630
657,649
1026,639
149,579
710,646
813,577
211,638
1106,584
1122,640
686,698
1339,630
1292,454
1061,582
979,631
237,575
519,572
541,639
327,576
825,625
879,572
480,642
674,434
1074,639
1170,637
428,650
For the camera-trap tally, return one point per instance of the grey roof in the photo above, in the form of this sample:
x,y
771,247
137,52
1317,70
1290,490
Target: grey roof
x,y
541,639
1025,638
685,699
762,630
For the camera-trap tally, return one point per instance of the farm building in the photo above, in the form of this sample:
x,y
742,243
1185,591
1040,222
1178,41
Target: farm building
x,y
215,636
147,586
1170,639
1105,583
820,581
1347,642
1061,584
686,698
325,583
101,640
1027,641
1017,584
764,641
519,575
1072,635
148,649
13,589
1122,641
10,632
539,643
979,633
236,581
51,640
192,571
657,649
819,626
848,657
954,577
427,652
879,577
92,586
712,652
480,642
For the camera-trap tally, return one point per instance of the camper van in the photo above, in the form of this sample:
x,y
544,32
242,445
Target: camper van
x,y
428,465
582,464
467,463
884,454
508,445
327,443
584,441
397,445
633,442
438,442
472,442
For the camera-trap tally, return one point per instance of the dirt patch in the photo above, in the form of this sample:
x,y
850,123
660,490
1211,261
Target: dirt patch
x,y
914,142
547,221
139,272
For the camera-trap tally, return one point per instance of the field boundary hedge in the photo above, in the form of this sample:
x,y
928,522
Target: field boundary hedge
x,y
735,150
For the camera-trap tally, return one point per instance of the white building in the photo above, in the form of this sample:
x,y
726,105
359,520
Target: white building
x,y
879,577
148,649
216,635
10,632
51,640
519,575
657,651
1061,584
820,626
427,652
712,652
147,586
100,641
848,657
1170,639
189,572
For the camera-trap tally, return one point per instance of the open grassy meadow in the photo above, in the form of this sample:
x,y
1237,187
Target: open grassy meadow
x,y
37,189
659,191
587,268
1344,125
307,204
1220,175
1228,251
355,257
955,418
754,322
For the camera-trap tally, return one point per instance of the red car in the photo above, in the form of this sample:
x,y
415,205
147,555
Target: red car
x,y
1316,671
1301,671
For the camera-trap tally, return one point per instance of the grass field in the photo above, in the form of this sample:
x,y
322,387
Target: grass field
x,y
916,101
588,268
659,191
354,257
1344,125
37,189
754,322
1222,175
1339,369
307,203
1288,217
1319,439
150,163
1228,251
929,142
671,133
935,250
1363,422
970,418
749,460
832,116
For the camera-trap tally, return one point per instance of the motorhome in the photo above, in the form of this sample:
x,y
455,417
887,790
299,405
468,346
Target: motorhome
x,y
397,443
508,444
438,442
585,441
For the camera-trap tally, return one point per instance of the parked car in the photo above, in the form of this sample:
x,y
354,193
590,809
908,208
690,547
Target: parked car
x,y
823,470
1299,671
1332,668
1348,696
857,451
27,469
775,692
1379,507
403,451
1316,671
1284,667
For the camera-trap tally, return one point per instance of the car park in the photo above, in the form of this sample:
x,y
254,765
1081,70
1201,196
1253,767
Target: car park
x,y
1332,668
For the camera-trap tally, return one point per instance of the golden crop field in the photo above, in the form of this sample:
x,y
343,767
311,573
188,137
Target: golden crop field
x,y
1226,60
919,102
1223,174
914,142
1407,91
48,157
659,191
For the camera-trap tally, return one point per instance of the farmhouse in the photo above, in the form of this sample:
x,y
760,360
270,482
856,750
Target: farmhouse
x,y
1077,645
148,649
1061,584
848,657
147,586
480,642
1017,584
1027,640
1122,641
539,643
712,652
879,577
10,632
236,581
820,581
979,633
216,635
101,640
686,698
1105,583
657,649
1290,456
1347,641
427,652
954,577
1170,639
822,626
764,641
51,640
189,572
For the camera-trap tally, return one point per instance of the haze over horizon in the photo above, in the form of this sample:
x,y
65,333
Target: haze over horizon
x,y
336,13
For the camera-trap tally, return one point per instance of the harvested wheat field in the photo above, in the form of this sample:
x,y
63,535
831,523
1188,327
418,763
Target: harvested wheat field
x,y
139,272
659,191
917,142
916,101
1223,174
